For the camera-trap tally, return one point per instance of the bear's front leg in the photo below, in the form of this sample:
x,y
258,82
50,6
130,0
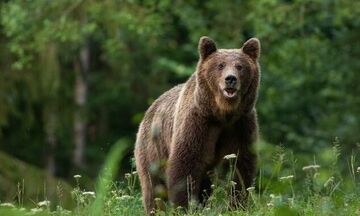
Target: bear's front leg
x,y
246,135
189,154
244,177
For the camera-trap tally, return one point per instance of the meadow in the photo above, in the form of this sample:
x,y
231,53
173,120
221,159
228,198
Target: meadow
x,y
284,186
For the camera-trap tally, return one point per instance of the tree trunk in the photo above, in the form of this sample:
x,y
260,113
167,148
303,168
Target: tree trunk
x,y
49,79
51,140
81,88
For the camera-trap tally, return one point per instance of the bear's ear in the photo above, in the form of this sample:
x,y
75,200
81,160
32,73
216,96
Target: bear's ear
x,y
206,47
252,48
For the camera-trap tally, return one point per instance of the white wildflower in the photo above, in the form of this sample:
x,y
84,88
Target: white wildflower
x,y
212,186
134,173
250,189
77,176
305,168
36,210
44,203
270,204
358,170
10,205
127,175
230,156
125,197
233,183
285,178
88,193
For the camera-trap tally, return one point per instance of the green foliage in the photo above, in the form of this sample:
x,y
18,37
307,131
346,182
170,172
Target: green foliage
x,y
27,184
278,193
107,175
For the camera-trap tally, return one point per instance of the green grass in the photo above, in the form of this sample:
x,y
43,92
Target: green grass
x,y
286,184
25,183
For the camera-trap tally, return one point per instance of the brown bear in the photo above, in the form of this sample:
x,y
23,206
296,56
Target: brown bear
x,y
188,130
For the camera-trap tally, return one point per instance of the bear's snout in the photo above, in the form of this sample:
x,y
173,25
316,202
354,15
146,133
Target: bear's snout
x,y
231,86
230,81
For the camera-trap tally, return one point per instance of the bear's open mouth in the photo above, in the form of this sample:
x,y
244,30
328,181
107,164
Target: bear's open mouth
x,y
230,92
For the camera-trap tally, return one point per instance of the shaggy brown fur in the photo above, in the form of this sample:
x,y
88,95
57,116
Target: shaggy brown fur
x,y
189,129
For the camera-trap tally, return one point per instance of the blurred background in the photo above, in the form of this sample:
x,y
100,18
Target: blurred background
x,y
76,76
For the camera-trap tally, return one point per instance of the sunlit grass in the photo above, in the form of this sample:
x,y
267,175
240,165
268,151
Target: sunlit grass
x,y
284,186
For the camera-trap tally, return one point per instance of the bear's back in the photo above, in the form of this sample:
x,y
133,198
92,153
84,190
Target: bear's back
x,y
155,130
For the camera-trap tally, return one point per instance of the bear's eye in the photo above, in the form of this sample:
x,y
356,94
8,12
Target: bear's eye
x,y
238,67
221,66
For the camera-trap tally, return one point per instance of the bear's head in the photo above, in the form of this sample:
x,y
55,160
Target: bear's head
x,y
230,76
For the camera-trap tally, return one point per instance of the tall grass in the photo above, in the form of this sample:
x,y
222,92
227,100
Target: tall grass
x,y
287,184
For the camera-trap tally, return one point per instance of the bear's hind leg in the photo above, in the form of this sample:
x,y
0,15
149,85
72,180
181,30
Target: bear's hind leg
x,y
146,188
153,187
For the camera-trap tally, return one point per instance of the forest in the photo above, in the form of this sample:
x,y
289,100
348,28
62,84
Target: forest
x,y
76,77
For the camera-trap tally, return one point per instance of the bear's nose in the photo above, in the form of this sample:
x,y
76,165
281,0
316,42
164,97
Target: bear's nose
x,y
230,80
